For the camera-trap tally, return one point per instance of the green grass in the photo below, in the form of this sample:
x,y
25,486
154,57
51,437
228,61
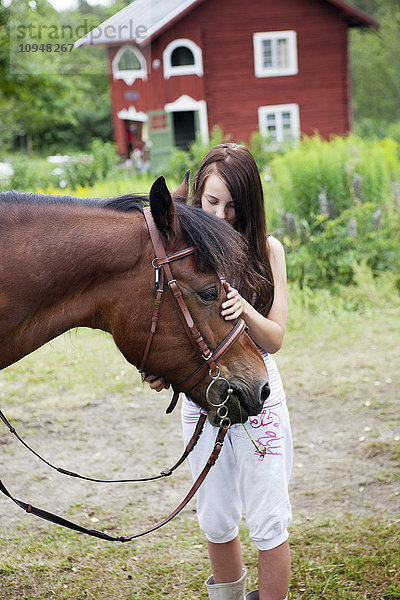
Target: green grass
x,y
66,372
117,186
343,560
351,558
34,174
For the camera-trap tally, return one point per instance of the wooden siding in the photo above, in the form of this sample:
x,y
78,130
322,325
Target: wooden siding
x,y
234,93
224,31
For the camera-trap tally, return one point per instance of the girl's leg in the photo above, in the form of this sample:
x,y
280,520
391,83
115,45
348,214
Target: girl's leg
x,y
226,560
274,572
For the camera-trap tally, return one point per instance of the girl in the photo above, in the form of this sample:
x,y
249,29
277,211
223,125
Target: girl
x,y
250,474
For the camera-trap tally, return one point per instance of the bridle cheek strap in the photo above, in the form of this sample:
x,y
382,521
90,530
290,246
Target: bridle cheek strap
x,y
194,378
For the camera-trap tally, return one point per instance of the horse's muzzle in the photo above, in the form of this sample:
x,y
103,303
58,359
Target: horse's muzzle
x,y
243,403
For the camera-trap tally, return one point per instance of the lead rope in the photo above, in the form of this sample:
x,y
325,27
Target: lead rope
x,y
48,516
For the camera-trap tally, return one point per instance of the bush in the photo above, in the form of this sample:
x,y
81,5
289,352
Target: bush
x,y
326,252
371,129
320,177
30,174
86,169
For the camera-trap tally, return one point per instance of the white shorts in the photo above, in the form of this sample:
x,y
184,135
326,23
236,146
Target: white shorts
x,y
246,479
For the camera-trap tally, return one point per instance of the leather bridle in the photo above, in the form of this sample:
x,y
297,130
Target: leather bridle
x,y
161,264
208,358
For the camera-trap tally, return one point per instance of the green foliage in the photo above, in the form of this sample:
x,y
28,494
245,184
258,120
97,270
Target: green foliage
x,y
369,128
340,209
30,174
344,170
338,200
96,165
84,169
331,251
264,151
59,100
374,59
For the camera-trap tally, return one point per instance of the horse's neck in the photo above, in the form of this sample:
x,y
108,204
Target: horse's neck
x,y
55,262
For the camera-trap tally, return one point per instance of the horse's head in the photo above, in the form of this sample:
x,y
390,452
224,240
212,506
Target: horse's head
x,y
219,249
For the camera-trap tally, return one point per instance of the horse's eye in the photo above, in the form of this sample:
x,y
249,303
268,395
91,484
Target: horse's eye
x,y
209,294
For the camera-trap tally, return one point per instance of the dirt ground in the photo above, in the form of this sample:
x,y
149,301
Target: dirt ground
x,y
345,428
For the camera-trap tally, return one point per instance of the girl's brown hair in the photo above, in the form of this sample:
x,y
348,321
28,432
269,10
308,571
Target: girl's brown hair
x,y
235,165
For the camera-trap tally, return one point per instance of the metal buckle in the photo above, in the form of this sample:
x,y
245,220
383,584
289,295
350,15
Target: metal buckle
x,y
156,276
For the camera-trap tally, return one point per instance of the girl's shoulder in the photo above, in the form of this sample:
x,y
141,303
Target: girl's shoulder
x,y
275,246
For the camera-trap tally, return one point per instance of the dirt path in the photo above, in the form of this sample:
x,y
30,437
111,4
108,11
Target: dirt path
x,y
345,451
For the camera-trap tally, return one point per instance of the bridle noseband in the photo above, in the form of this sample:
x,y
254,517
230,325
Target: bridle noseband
x,y
208,358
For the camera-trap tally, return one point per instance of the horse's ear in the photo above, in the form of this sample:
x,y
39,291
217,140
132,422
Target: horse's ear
x,y
182,192
162,207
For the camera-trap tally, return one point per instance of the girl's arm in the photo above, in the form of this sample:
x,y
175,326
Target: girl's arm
x,y
267,332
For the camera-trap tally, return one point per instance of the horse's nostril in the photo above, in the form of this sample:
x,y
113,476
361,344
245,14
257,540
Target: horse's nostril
x,y
265,392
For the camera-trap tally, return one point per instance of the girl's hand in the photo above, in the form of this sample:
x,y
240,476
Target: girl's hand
x,y
155,382
233,307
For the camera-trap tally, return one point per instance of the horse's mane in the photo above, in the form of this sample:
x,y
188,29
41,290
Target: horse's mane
x,y
219,247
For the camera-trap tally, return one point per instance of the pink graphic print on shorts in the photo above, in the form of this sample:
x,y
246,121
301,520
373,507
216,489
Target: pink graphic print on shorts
x,y
269,440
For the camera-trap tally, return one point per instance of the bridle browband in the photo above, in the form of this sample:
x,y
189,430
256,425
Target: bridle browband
x,y
209,359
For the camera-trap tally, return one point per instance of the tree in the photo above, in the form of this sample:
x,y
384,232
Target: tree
x,y
375,65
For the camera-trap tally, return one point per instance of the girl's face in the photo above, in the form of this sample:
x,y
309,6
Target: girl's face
x,y
216,199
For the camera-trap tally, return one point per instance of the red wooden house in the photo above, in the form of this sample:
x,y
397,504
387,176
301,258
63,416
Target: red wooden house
x,y
180,67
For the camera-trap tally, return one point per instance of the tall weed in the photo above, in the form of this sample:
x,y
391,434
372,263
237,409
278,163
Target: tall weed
x,y
86,169
327,252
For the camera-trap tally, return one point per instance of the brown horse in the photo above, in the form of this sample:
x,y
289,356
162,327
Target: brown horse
x,y
67,262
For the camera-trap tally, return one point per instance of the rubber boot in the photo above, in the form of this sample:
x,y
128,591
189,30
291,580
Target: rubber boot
x,y
252,595
234,590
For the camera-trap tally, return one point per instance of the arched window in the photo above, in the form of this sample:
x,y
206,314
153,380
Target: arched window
x,y
182,57
129,61
129,64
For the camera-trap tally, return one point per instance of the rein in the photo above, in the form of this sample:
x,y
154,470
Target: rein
x,y
161,264
166,473
38,512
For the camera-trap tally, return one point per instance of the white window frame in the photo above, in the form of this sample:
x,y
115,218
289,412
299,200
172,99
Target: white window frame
x,y
259,68
278,110
196,69
129,76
